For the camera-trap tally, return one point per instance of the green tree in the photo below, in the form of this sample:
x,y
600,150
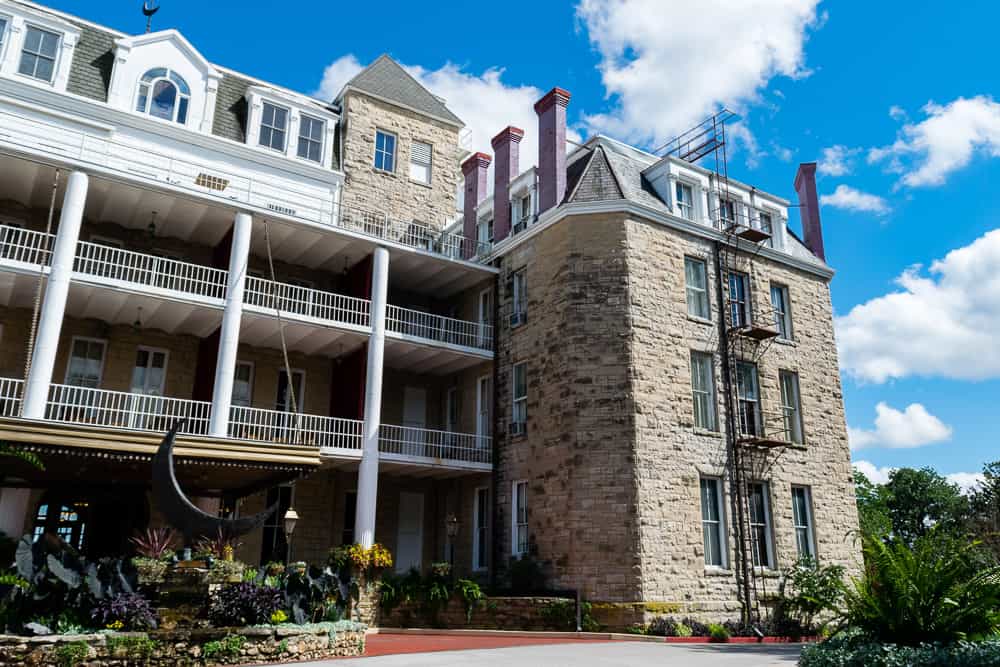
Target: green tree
x,y
918,500
984,509
873,514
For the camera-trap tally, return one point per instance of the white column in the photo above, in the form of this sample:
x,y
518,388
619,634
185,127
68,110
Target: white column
x,y
13,510
43,358
229,335
364,516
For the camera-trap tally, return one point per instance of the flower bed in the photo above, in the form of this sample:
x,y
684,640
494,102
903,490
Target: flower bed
x,y
163,648
857,651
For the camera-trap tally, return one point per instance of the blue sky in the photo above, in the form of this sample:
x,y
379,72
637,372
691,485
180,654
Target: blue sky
x,y
895,104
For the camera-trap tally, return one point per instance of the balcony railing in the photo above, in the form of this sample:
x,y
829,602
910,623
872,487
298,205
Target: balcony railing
x,y
117,409
427,443
411,234
307,301
438,328
113,263
289,428
10,397
25,245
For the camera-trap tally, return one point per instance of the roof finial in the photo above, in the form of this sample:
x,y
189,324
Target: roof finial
x,y
148,9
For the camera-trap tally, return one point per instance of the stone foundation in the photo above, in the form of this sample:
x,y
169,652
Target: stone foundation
x,y
187,648
495,613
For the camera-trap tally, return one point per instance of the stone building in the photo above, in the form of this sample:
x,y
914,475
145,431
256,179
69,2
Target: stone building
x,y
545,374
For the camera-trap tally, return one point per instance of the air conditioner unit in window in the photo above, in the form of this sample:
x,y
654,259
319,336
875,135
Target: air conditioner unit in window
x,y
518,318
518,428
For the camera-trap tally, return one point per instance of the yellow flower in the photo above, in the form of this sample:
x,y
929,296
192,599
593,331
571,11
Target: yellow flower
x,y
380,557
278,616
115,625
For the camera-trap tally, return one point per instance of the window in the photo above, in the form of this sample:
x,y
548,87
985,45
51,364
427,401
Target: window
x,y
728,211
522,213
451,410
519,527
696,284
703,390
712,526
420,162
802,520
480,529
791,408
273,127
485,315
483,400
164,94
685,200
484,231
350,516
283,401
519,286
62,517
3,33
149,372
274,546
767,226
38,55
739,299
86,363
782,312
760,525
385,151
311,138
748,398
520,394
243,384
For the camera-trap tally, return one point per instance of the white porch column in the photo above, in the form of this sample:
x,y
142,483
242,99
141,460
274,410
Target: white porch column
x,y
229,335
364,516
13,511
43,358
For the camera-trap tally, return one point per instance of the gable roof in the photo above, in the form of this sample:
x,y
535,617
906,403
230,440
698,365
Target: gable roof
x,y
387,80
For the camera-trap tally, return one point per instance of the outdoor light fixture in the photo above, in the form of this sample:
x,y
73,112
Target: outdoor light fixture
x,y
291,518
452,525
137,325
152,225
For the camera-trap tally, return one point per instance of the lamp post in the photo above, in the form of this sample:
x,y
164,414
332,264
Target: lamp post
x,y
291,518
451,527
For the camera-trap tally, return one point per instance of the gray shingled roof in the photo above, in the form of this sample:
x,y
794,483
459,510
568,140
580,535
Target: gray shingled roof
x,y
386,79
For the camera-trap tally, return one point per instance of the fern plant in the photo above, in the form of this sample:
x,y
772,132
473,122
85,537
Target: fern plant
x,y
935,591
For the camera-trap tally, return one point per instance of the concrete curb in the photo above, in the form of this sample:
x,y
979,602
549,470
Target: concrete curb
x,y
593,636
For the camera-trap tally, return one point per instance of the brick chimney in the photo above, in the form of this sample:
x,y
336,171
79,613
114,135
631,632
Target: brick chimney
x,y
812,228
551,110
506,151
474,170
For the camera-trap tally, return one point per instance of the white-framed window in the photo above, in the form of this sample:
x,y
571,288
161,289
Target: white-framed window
x,y
451,410
420,162
149,375
283,399
522,211
739,299
519,284
791,406
696,286
385,151
273,127
766,221
713,523
39,53
703,390
805,541
728,212
485,305
748,398
519,394
519,518
781,303
163,93
484,230
481,529
243,384
684,196
311,131
484,398
3,34
86,362
761,546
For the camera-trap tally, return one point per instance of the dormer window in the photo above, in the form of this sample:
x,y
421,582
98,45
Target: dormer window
x,y
311,132
164,94
273,127
297,127
38,55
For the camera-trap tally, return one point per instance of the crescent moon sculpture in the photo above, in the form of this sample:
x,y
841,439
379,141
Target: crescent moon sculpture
x,y
180,512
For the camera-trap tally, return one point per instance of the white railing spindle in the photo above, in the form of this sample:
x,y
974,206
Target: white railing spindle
x,y
117,409
289,428
428,443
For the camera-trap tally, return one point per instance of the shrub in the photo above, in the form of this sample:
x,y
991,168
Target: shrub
x,y
935,591
244,603
133,647
130,609
683,630
471,593
221,546
155,543
561,615
806,590
71,654
718,632
852,649
698,629
227,648
278,617
526,575
662,626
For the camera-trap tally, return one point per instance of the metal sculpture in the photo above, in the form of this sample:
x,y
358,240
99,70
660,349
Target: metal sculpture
x,y
148,9
180,512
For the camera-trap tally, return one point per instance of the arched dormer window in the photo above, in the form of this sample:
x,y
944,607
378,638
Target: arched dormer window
x,y
164,94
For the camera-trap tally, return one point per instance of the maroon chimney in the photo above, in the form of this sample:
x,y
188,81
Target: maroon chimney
x,y
474,170
812,228
506,150
551,111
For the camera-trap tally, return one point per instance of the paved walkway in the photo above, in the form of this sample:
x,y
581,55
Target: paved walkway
x,y
453,651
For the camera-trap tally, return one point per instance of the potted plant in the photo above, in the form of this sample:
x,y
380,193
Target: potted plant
x,y
154,549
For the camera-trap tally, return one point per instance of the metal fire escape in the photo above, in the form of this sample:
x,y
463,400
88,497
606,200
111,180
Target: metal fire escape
x,y
755,439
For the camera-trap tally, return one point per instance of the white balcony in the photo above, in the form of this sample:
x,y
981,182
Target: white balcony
x,y
338,440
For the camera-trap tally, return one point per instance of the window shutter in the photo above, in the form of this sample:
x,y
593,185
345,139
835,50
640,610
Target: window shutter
x,y
420,152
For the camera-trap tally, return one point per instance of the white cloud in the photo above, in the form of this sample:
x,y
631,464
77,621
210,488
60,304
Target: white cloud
x,y
927,152
669,64
945,322
874,474
967,481
911,427
837,160
850,199
485,102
